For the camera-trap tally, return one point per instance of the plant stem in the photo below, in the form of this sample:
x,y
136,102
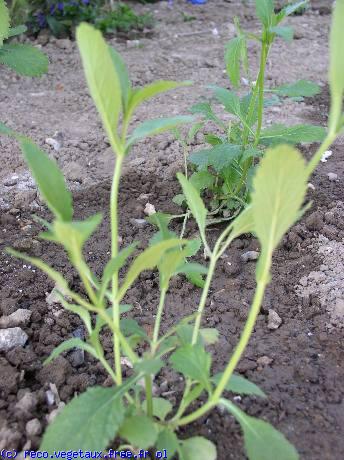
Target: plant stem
x,y
331,136
158,319
260,83
114,252
203,299
149,395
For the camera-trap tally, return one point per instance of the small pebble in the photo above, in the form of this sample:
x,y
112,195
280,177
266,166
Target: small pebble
x,y
11,338
274,320
33,427
149,209
332,176
250,255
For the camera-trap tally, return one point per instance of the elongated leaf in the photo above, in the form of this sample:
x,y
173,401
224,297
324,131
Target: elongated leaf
x,y
7,131
115,264
280,134
193,362
141,95
233,57
202,180
69,345
4,22
88,422
146,261
169,265
336,67
220,156
157,126
194,201
140,431
244,223
294,7
123,76
301,88
49,180
284,32
205,109
279,189
240,385
77,310
265,11
197,448
102,78
24,59
262,440
14,31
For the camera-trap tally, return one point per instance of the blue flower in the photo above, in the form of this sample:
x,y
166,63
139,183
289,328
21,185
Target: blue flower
x,y
41,20
52,10
60,6
86,2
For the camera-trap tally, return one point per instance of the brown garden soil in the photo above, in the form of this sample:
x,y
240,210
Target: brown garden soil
x,y
300,364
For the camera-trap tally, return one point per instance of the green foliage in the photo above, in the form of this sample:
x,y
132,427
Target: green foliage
x,y
60,18
233,155
23,59
128,410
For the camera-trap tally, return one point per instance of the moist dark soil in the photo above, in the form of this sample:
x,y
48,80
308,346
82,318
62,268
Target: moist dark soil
x,y
299,365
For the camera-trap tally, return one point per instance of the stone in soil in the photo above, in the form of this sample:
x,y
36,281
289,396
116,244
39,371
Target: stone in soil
x,y
18,318
11,338
274,320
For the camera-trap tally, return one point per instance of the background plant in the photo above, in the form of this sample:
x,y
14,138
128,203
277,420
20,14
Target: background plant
x,y
128,409
61,17
23,59
223,172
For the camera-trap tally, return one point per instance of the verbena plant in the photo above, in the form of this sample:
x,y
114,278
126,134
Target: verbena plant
x,y
24,59
128,411
224,171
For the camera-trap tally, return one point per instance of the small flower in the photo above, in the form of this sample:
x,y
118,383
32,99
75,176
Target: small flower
x,y
41,20
60,6
86,2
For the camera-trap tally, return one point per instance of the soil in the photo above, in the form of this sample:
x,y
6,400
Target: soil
x,y
298,365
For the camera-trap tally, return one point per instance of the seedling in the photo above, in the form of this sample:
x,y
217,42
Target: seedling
x,y
23,59
227,167
94,420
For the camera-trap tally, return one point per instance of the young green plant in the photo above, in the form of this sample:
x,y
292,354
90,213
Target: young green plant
x,y
226,168
128,410
23,59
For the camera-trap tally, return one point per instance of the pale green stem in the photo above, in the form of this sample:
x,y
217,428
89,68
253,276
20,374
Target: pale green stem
x,y
260,83
158,319
203,299
149,395
114,252
313,163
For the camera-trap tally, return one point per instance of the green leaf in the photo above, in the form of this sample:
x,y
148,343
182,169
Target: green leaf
x,y
293,7
240,385
102,78
210,335
157,126
197,448
4,22
244,223
68,345
149,366
286,32
141,95
301,88
262,440
7,131
205,109
49,180
229,99
88,422
221,156
194,202
77,310
73,235
233,55
179,199
161,407
336,67
192,361
192,268
265,11
167,440
280,185
131,327
14,31
169,265
280,134
140,431
202,180
147,260
114,265
24,59
251,152
123,76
